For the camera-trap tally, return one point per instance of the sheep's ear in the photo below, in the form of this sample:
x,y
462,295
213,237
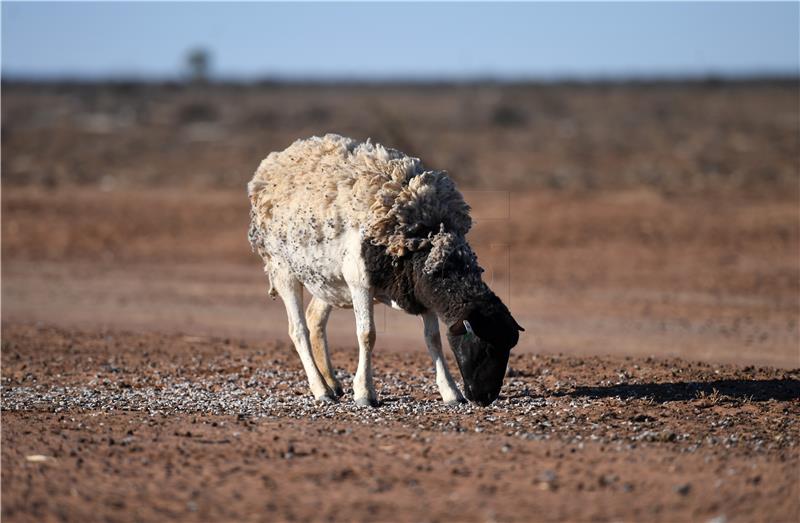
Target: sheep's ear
x,y
498,328
518,326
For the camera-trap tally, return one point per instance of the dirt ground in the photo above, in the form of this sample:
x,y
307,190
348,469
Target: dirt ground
x,y
625,273
147,376
148,427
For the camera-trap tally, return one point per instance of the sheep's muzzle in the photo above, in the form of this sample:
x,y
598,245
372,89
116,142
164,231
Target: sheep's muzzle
x,y
482,366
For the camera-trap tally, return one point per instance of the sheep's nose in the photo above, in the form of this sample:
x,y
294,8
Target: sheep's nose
x,y
486,399
480,394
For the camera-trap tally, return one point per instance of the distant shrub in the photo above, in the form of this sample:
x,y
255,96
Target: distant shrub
x,y
505,115
197,112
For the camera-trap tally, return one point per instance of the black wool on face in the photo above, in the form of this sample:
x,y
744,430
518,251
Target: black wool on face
x,y
481,340
492,322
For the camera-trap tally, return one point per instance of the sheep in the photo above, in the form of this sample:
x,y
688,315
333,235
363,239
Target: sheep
x,y
358,224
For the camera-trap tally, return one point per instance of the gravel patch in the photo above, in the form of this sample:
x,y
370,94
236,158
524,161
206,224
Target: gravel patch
x,y
525,410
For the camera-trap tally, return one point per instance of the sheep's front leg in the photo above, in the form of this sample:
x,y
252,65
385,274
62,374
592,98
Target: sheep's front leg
x,y
363,388
447,388
317,315
291,293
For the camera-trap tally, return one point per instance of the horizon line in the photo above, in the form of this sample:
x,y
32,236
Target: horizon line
x,y
400,79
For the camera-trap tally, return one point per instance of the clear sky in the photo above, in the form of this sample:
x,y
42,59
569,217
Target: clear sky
x,y
380,40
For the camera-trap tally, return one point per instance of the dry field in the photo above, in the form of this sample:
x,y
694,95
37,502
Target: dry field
x,y
646,236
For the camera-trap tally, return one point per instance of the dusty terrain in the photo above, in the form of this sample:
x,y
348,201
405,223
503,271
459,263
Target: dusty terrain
x,y
647,237
144,427
625,272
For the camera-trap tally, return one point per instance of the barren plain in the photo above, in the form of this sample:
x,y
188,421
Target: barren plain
x,y
646,236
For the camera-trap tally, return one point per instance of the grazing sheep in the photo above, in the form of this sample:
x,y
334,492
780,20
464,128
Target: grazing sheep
x,y
355,223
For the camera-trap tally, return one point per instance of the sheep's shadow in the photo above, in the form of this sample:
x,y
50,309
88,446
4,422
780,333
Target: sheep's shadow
x,y
752,390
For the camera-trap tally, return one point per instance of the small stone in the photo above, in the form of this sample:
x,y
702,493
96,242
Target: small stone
x,y
37,458
684,489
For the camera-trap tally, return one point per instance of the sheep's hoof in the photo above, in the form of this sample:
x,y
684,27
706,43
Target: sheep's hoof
x,y
455,402
367,402
325,398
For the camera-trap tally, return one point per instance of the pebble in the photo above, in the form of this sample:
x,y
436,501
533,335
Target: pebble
x,y
684,489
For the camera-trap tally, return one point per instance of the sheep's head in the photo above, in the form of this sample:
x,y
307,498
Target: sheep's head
x,y
481,342
481,330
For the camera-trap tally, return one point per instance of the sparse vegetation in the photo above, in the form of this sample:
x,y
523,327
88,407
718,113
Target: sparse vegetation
x,y
676,140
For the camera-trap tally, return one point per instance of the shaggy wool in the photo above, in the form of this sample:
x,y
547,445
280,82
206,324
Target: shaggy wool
x,y
320,187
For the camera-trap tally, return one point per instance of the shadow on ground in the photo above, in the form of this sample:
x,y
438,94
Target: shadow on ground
x,y
752,390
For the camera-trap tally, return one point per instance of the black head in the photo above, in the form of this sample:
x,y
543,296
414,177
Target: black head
x,y
481,343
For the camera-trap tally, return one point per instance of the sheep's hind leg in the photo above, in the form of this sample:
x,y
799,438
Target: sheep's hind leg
x,y
291,292
363,388
447,388
317,315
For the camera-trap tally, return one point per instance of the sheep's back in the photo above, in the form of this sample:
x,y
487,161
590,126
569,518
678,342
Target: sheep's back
x,y
320,188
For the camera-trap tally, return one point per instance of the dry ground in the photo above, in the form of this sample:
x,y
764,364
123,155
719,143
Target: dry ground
x,y
646,236
148,427
624,272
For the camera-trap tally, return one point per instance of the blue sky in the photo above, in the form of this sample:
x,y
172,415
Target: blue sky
x,y
380,40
